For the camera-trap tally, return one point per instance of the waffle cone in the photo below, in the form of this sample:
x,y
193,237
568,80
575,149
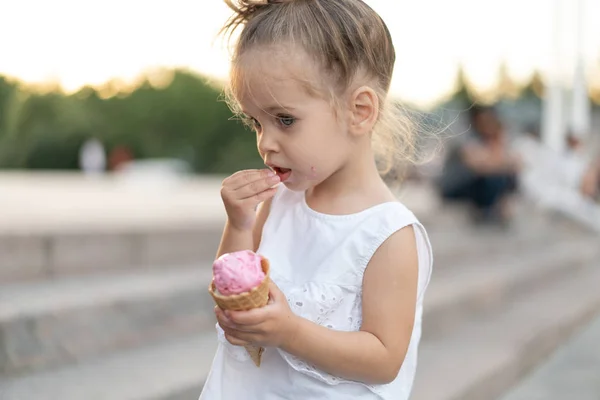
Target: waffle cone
x,y
255,353
255,298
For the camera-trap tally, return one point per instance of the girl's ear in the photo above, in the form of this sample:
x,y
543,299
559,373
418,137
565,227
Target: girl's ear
x,y
364,111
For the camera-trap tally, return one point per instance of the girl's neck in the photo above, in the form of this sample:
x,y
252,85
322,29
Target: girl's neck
x,y
354,187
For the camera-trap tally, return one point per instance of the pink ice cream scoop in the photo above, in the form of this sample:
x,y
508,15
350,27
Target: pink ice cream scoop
x,y
238,272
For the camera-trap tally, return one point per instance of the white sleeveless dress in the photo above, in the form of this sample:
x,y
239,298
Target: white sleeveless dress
x,y
318,261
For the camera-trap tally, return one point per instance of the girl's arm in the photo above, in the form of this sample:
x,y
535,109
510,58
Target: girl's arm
x,y
376,352
235,240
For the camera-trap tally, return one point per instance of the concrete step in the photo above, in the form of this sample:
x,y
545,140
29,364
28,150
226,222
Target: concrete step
x,y
31,255
490,353
173,370
56,322
493,351
73,320
456,240
572,372
467,243
48,254
56,224
480,286
60,321
63,224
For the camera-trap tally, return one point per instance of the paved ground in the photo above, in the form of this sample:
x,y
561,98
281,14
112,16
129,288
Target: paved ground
x,y
54,201
78,330
63,201
573,372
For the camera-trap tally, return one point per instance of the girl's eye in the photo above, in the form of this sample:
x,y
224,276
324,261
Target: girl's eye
x,y
286,121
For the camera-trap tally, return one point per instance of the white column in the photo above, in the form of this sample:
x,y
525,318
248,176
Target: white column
x,y
581,109
553,126
553,121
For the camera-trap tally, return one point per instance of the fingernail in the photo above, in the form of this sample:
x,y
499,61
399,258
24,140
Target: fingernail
x,y
274,178
270,172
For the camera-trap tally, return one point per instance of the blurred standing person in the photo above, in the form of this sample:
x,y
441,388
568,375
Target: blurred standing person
x,y
480,169
92,158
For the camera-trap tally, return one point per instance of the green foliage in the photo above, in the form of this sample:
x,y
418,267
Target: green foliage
x,y
185,120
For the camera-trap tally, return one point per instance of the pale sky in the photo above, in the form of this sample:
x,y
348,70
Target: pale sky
x,y
79,42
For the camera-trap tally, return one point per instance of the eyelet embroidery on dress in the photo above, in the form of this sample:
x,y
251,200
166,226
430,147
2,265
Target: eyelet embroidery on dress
x,y
326,305
355,323
310,370
303,304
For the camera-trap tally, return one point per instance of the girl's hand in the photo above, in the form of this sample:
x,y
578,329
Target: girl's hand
x,y
273,325
243,191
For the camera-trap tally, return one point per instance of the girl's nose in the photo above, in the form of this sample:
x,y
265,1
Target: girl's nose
x,y
267,143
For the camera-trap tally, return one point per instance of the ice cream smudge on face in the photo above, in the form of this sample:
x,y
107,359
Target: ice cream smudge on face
x,y
237,272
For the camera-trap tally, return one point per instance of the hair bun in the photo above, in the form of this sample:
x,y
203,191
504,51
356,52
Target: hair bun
x,y
244,10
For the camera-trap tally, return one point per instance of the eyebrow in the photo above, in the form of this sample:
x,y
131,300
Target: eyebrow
x,y
272,109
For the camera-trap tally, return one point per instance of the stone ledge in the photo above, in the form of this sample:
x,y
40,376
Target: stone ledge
x,y
51,323
572,372
28,256
152,373
485,357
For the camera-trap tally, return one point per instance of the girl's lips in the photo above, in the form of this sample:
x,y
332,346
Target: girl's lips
x,y
282,173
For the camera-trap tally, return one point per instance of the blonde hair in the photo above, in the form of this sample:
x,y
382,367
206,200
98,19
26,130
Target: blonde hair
x,y
347,39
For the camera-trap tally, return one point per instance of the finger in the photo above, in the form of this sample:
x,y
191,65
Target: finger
x,y
275,294
248,321
235,341
253,189
254,201
243,178
227,324
223,320
224,327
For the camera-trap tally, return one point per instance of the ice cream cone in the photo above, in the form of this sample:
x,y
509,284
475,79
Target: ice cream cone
x,y
255,298
255,353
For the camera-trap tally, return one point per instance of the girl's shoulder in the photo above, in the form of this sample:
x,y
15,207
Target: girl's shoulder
x,y
296,234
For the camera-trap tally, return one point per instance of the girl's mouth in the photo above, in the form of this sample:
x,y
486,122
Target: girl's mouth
x,y
282,173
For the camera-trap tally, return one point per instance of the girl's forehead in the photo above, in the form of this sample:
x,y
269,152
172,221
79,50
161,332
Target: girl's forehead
x,y
262,76
277,59
269,87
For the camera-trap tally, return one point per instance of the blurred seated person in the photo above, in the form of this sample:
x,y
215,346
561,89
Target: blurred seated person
x,y
481,170
590,182
587,175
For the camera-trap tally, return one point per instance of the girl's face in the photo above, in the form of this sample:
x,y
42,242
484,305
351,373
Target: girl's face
x,y
298,134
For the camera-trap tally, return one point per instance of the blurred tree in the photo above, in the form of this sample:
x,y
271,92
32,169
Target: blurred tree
x,y
7,91
535,86
464,93
169,114
183,119
507,87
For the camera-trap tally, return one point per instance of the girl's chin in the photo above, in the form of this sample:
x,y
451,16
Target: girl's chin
x,y
296,185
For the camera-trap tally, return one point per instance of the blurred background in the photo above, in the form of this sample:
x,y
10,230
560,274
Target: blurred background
x,y
114,138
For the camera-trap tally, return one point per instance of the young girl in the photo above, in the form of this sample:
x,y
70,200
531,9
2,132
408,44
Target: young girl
x,y
349,263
